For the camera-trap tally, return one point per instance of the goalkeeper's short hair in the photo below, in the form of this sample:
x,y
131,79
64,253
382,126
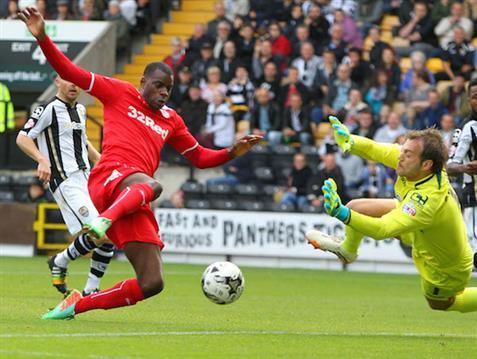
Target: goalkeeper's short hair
x,y
433,147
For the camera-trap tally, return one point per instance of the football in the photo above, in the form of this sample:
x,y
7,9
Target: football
x,y
223,282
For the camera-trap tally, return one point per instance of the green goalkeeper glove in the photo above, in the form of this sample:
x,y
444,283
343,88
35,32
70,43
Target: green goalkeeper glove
x,y
333,205
341,132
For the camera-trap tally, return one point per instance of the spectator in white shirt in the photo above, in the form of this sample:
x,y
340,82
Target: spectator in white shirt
x,y
444,28
220,122
391,130
307,64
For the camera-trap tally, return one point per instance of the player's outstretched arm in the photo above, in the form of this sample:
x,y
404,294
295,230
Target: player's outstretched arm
x,y
65,68
387,154
243,145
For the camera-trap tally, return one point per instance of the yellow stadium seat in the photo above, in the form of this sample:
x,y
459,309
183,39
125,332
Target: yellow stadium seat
x,y
435,65
389,21
405,64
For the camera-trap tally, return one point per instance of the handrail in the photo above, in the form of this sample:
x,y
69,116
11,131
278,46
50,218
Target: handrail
x,y
40,226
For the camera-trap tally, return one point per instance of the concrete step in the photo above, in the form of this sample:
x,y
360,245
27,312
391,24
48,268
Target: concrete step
x,y
161,39
193,17
198,5
179,28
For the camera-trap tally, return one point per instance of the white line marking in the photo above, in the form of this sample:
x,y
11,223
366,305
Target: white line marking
x,y
58,355
243,332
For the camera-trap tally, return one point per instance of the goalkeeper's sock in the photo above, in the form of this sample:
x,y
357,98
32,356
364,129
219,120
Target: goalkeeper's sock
x,y
352,240
81,245
129,200
465,301
124,293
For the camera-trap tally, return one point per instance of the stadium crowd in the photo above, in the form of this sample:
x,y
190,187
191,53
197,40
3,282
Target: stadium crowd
x,y
279,68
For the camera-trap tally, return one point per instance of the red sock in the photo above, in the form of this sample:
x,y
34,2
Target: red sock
x,y
124,293
129,200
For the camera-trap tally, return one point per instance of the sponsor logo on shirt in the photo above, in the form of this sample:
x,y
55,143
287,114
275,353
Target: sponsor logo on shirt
x,y
409,209
115,174
146,120
84,211
419,199
30,123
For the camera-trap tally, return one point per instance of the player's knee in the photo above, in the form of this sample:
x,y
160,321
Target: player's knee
x,y
157,188
152,286
438,304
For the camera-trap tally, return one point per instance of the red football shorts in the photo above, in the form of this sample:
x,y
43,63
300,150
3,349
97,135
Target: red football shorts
x,y
140,226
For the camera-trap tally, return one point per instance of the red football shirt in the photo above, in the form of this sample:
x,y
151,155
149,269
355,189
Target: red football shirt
x,y
133,133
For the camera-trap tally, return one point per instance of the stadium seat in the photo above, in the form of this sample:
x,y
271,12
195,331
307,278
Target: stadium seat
x,y
261,154
435,65
251,205
192,190
264,174
197,204
271,189
389,21
166,204
6,196
280,207
312,154
5,181
442,86
246,189
224,204
405,64
312,209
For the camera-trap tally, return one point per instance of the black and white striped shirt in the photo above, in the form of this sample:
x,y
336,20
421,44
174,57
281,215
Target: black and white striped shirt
x,y
60,131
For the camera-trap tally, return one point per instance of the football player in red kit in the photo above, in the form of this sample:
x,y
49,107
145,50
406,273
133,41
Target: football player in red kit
x,y
137,124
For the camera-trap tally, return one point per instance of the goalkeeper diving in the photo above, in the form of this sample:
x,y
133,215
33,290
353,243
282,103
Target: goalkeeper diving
x,y
425,214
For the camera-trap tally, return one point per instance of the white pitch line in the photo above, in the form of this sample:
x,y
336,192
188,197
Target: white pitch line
x,y
240,332
57,355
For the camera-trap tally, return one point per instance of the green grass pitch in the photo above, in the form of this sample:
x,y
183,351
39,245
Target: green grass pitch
x,y
283,313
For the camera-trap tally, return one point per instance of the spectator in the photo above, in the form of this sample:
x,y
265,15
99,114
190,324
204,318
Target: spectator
x,y
366,125
390,65
380,93
418,30
240,92
354,105
301,36
440,10
41,5
431,115
459,53
352,168
237,24
206,61
265,118
325,74
196,42
307,64
63,12
128,10
292,85
318,26
418,63
38,194
12,10
447,127
351,33
338,91
416,99
328,169
360,69
122,28
212,25
237,171
455,99
470,11
296,122
246,44
180,89
270,80
295,19
236,7
194,110
261,55
177,57
219,131
391,130
297,183
144,22
375,54
263,10
444,28
337,43
384,114
89,12
369,12
223,32
213,84
374,180
280,44
229,62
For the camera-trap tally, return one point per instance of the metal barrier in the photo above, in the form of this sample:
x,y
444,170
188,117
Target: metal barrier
x,y
41,226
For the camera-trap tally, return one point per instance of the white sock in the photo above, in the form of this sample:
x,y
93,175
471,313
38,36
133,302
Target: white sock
x,y
92,283
62,260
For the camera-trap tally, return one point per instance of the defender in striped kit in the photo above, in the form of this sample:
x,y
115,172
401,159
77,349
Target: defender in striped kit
x,y
63,151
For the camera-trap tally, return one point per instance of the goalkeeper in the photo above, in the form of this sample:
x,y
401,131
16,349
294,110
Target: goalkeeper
x,y
425,214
